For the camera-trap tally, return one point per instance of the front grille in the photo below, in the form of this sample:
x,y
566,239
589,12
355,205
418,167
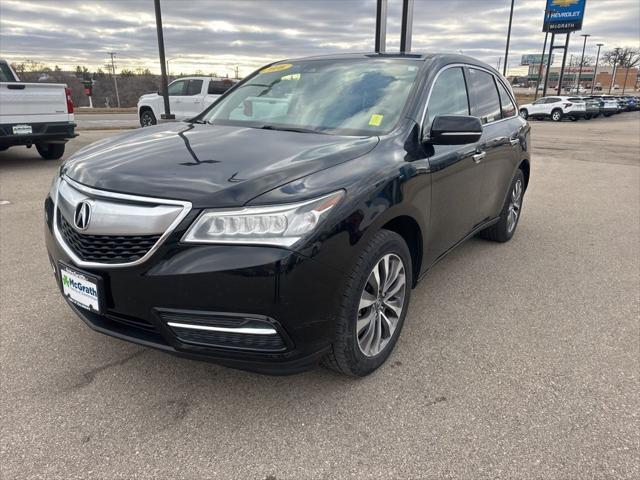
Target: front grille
x,y
106,248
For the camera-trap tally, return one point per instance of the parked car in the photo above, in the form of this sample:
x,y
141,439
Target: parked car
x,y
592,107
608,106
187,97
631,103
288,223
555,108
39,114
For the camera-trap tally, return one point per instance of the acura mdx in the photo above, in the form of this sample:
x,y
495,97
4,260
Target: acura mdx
x,y
287,224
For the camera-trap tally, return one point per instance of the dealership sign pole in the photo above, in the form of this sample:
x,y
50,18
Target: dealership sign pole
x,y
544,50
407,24
381,26
163,66
567,17
506,50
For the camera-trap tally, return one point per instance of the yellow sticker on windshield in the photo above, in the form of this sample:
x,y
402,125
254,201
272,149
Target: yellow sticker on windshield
x,y
376,120
276,68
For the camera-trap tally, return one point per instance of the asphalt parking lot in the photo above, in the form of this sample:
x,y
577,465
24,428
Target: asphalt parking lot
x,y
517,360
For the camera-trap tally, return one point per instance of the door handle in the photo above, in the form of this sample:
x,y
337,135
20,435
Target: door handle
x,y
514,142
479,156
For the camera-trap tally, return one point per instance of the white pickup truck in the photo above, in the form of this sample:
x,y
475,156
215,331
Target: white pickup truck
x,y
188,97
39,114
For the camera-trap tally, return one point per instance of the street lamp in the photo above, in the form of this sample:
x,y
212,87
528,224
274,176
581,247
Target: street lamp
x,y
595,71
584,45
173,58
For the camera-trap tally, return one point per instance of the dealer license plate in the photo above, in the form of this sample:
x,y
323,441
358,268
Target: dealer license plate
x,y
80,288
22,130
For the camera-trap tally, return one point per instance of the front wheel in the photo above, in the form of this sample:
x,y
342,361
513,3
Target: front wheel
x,y
510,215
556,115
50,151
373,306
147,118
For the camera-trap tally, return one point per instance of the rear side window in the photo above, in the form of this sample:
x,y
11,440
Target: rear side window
x,y
448,96
5,73
552,100
218,87
194,87
506,105
485,102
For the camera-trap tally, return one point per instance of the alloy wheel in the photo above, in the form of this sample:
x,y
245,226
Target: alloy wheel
x,y
556,116
146,120
381,305
515,204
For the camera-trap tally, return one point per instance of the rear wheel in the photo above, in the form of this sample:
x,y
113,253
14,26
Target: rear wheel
x,y
50,151
373,306
510,214
587,117
574,119
556,115
147,118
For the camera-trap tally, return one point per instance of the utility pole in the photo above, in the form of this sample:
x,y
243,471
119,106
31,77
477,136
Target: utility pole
x,y
381,26
113,71
595,71
506,51
237,70
163,66
584,45
407,26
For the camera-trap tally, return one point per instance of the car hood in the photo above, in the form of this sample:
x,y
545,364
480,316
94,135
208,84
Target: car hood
x,y
208,165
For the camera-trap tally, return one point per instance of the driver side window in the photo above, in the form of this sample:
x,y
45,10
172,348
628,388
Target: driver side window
x,y
177,88
448,96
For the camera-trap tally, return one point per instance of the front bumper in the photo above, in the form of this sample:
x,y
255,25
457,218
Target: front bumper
x,y
299,296
41,132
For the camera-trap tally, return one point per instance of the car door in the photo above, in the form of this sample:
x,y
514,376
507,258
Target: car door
x,y
550,104
495,149
192,103
537,107
456,177
177,90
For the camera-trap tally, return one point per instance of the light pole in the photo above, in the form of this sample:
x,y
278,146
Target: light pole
x,y
506,50
163,66
595,71
173,58
584,45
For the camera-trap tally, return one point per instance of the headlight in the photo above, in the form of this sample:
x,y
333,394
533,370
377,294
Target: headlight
x,y
280,225
53,190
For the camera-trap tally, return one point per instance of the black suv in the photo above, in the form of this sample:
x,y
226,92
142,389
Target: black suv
x,y
288,223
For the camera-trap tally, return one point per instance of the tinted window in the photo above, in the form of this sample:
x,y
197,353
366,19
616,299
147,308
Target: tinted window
x,y
5,73
448,96
194,87
485,102
218,87
177,88
508,108
552,100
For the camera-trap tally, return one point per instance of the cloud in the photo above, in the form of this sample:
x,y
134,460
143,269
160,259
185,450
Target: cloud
x,y
218,35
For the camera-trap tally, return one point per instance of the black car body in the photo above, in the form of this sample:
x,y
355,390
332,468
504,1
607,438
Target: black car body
x,y
278,308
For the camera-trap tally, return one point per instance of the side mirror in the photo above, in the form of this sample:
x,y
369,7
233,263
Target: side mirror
x,y
455,130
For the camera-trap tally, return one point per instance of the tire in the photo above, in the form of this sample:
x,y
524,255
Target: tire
x,y
147,118
556,115
50,151
573,119
347,354
524,113
588,117
503,230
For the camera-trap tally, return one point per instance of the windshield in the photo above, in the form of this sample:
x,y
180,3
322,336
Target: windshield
x,y
344,97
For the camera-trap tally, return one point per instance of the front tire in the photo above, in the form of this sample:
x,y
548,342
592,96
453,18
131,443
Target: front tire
x,y
509,215
50,151
373,306
147,118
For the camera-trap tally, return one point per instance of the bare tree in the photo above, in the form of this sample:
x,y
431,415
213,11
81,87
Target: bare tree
x,y
622,57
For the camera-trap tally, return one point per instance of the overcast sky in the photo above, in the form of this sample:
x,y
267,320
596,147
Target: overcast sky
x,y
216,35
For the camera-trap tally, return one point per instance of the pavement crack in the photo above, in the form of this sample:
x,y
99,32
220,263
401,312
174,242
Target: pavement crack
x,y
89,376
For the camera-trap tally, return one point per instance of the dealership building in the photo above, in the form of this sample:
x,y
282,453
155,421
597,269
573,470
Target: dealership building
x,y
624,78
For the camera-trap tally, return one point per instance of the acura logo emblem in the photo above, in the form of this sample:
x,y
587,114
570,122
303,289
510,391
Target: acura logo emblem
x,y
82,216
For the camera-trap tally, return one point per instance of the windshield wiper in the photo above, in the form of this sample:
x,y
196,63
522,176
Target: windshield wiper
x,y
289,129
